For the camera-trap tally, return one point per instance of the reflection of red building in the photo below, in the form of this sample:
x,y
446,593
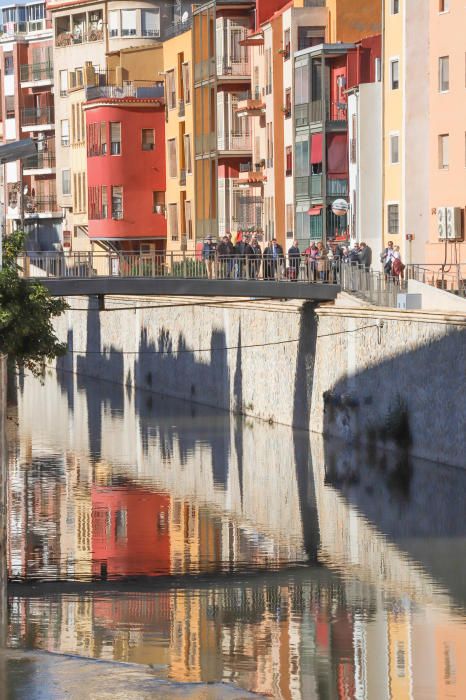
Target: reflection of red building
x,y
130,533
126,168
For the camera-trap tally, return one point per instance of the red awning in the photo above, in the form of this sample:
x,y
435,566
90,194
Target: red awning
x,y
337,154
316,149
314,211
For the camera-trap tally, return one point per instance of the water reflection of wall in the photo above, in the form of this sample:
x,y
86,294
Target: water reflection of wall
x,y
222,504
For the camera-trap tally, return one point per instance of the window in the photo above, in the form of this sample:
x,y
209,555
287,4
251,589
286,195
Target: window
x,y
268,71
65,132
63,83
287,107
103,138
444,6
150,22
148,139
289,160
395,74
117,202
172,158
158,202
188,219
173,221
104,202
10,106
395,7
310,36
186,82
121,524
302,161
114,22
378,69
79,77
394,148
393,218
66,181
171,90
115,138
443,156
286,44
289,220
269,133
187,153
9,65
444,73
128,23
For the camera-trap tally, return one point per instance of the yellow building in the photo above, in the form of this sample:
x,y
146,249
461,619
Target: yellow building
x,y
179,197
405,127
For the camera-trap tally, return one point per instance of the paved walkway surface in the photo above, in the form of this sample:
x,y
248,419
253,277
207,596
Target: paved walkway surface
x,y
35,675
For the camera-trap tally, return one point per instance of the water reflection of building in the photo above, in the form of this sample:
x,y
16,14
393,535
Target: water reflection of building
x,y
381,628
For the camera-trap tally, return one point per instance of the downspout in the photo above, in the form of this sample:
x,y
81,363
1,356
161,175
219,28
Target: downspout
x,y
382,77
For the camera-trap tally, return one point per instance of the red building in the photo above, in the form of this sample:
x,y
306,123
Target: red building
x,y
130,532
126,167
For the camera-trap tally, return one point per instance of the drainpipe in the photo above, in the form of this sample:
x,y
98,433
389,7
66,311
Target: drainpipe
x,y
382,77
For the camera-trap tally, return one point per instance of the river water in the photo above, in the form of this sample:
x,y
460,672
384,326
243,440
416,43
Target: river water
x,y
170,539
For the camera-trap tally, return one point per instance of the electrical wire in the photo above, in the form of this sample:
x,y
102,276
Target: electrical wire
x,y
172,306
222,349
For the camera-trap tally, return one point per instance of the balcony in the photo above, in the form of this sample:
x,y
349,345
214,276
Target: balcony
x,y
235,143
37,118
337,187
40,164
177,28
250,105
35,74
205,143
228,67
136,89
14,28
204,70
308,186
40,206
249,177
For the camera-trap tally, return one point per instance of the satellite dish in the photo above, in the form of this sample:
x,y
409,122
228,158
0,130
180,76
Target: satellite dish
x,y
340,207
184,17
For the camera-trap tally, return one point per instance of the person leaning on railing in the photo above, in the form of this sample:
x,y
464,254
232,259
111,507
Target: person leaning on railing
x,y
208,255
255,260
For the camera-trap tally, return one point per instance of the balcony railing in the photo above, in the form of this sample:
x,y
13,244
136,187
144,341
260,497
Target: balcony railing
x,y
229,66
40,204
177,28
309,186
40,161
336,187
38,116
205,143
12,28
130,89
34,72
204,70
235,142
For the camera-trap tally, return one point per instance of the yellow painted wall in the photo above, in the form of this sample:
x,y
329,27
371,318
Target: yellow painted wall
x,y
172,49
393,120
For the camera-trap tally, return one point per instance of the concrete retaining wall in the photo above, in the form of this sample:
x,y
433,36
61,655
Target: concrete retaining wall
x,y
332,370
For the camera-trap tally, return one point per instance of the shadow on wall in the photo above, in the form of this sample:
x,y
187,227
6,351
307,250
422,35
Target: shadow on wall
x,y
412,403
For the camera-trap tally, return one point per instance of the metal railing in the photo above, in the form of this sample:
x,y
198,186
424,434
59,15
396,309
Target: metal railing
x,y
229,66
37,116
235,142
34,72
40,161
450,277
177,28
375,287
40,204
138,89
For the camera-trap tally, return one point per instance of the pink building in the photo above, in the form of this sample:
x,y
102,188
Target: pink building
x,y
447,199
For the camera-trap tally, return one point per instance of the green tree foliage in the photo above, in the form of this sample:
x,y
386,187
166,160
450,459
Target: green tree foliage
x,y
26,312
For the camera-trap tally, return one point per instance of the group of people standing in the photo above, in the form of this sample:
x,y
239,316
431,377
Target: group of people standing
x,y
318,262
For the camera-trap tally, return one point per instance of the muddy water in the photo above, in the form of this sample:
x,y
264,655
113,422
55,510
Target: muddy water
x,y
203,548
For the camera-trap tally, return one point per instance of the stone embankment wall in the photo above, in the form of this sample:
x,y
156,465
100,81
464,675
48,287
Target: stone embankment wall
x,y
381,377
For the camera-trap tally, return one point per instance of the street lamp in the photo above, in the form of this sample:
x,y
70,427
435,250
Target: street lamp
x,y
10,152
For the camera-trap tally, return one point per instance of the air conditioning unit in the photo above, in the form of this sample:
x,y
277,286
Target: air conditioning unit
x,y
454,224
442,223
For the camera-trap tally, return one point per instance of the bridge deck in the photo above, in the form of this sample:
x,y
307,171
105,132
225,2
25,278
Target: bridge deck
x,y
169,286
